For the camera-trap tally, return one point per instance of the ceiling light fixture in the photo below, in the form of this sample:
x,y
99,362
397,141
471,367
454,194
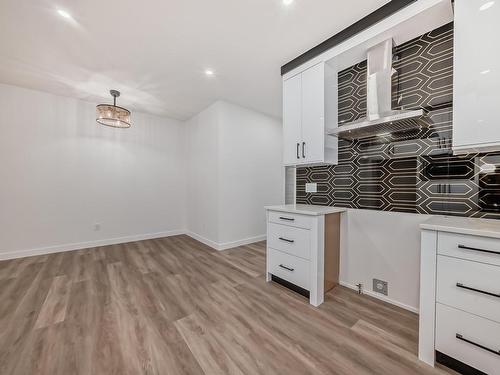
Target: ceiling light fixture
x,y
487,5
112,115
64,14
209,72
287,2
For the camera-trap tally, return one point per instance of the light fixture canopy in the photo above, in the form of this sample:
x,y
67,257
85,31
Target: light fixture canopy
x,y
112,115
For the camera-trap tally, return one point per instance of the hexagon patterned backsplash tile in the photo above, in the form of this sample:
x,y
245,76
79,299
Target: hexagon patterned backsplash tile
x,y
412,171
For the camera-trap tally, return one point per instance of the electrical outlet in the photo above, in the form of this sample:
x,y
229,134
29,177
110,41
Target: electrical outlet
x,y
312,187
380,286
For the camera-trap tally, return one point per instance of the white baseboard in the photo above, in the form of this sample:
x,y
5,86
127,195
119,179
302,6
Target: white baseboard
x,y
380,297
202,239
226,245
87,244
118,240
245,241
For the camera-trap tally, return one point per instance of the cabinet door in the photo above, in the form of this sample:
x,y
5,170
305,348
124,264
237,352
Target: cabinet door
x,y
476,75
313,114
292,103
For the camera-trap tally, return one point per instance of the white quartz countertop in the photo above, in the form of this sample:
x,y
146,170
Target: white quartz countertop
x,y
464,225
306,209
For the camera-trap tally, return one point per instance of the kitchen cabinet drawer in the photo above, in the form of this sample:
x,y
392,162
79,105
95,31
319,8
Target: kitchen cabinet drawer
x,y
288,267
291,240
479,249
474,281
468,338
300,221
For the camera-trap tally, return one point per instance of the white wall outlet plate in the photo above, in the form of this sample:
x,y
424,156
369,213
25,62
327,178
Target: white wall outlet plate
x,y
312,187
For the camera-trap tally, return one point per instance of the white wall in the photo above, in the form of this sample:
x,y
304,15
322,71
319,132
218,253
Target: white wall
x,y
202,173
250,172
386,246
60,173
235,169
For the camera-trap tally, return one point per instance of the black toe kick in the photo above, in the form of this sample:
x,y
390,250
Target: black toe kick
x,y
456,365
290,286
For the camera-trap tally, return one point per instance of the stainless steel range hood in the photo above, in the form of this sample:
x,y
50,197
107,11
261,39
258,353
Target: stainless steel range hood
x,y
380,118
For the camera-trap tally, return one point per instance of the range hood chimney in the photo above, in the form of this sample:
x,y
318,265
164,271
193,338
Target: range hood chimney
x,y
380,118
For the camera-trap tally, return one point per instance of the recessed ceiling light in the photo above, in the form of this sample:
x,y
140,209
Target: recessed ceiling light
x,y
287,2
209,73
487,5
485,71
64,14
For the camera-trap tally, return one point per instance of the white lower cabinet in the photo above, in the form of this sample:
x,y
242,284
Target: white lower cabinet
x,y
468,338
289,268
291,240
290,220
474,248
303,248
469,286
460,293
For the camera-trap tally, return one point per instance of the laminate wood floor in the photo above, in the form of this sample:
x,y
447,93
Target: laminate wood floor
x,y
175,306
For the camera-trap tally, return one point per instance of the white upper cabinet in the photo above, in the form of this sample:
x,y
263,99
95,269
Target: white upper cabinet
x,y
292,111
313,113
476,120
304,119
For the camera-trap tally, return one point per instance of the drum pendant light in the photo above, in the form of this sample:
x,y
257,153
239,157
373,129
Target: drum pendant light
x,y
112,115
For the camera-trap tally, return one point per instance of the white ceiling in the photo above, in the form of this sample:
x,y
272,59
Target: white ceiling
x,y
156,51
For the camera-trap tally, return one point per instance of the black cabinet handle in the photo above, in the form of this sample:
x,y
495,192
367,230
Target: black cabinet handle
x,y
287,218
460,337
286,240
303,149
476,249
298,145
287,268
460,285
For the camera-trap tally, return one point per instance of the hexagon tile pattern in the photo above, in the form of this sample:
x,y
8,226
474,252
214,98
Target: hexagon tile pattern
x,y
411,171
